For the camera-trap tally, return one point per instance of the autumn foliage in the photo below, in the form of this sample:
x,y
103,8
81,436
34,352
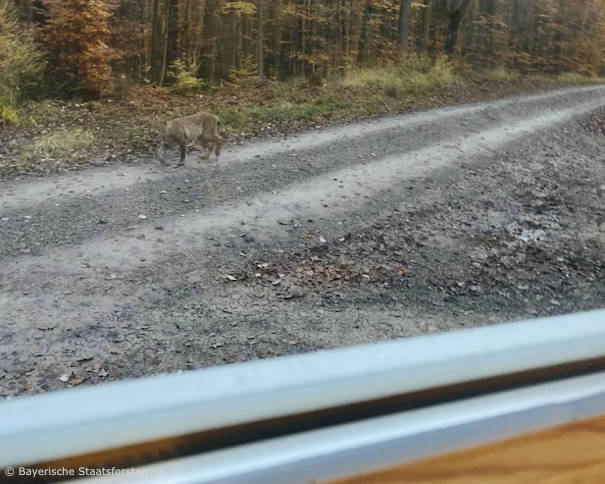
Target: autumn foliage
x,y
195,44
75,37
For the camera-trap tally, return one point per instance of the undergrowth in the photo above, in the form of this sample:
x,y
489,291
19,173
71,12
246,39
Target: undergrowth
x,y
61,144
415,77
62,130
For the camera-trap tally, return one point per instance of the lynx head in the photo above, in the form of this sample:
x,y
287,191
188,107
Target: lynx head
x,y
158,125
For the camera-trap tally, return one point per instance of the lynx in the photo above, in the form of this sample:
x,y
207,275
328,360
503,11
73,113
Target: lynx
x,y
200,127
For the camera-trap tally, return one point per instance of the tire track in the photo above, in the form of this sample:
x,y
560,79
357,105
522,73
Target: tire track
x,y
83,297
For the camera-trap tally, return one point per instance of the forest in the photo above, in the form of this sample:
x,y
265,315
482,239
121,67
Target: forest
x,y
70,46
87,77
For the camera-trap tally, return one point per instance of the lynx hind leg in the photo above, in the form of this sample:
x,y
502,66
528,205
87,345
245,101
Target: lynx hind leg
x,y
183,148
218,146
206,149
215,145
161,153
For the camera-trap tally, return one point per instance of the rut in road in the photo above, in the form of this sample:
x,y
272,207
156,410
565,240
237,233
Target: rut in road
x,y
69,210
450,122
87,257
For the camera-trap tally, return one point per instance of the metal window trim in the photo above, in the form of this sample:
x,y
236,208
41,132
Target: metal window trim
x,y
383,442
55,425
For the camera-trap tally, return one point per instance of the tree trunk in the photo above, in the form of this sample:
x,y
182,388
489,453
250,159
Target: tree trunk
x,y
405,10
455,11
168,21
156,28
363,38
487,12
261,40
426,26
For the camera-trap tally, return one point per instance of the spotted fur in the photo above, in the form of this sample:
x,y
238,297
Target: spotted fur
x,y
201,127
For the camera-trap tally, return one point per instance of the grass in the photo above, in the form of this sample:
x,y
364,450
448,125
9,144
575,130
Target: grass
x,y
284,112
575,78
58,145
416,77
121,124
8,114
502,74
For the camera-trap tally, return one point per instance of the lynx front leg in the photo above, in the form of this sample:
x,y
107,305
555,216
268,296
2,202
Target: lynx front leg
x,y
218,146
183,148
204,146
161,150
215,144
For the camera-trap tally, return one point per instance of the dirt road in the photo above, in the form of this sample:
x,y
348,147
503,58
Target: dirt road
x,y
412,224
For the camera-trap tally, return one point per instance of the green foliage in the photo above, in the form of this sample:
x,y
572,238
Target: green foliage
x,y
233,117
418,76
21,64
418,63
60,144
501,73
8,115
239,8
244,75
285,112
575,78
183,78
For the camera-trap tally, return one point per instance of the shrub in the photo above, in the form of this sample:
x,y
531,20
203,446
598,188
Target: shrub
x,y
75,38
183,78
576,78
59,144
233,117
21,64
8,115
501,73
244,75
416,76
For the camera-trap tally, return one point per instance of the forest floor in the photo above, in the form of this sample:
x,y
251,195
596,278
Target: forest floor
x,y
408,224
56,136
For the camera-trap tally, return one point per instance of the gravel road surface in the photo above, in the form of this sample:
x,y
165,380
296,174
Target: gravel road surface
x,y
450,218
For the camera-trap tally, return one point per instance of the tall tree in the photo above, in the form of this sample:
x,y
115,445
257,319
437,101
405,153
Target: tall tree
x,y
210,38
156,42
427,13
455,11
168,20
261,39
76,38
485,37
405,11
